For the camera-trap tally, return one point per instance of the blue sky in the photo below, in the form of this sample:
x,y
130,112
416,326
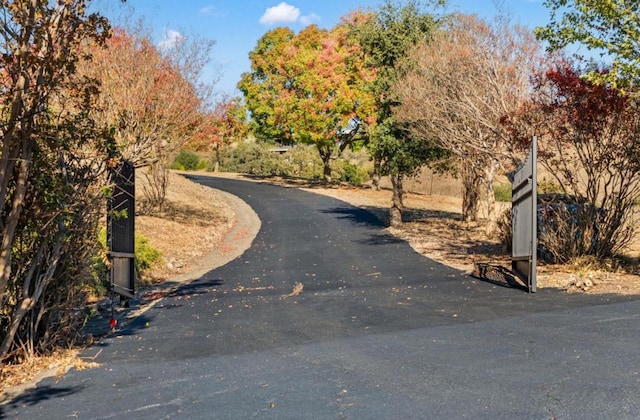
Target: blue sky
x,y
236,25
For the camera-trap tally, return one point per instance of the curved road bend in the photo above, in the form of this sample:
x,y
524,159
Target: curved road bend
x,y
378,331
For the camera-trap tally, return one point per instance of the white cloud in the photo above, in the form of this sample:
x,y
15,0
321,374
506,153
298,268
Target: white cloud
x,y
309,19
282,13
212,11
170,39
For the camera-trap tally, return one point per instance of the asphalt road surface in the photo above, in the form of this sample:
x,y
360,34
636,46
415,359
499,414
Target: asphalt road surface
x,y
378,332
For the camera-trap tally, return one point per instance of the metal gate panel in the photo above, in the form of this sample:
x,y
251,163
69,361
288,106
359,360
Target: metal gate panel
x,y
121,230
524,218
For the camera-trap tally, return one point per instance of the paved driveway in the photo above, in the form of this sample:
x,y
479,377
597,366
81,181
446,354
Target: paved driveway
x,y
377,332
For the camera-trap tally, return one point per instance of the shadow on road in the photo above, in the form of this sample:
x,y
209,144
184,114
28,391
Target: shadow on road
x,y
357,216
37,396
498,275
381,239
198,287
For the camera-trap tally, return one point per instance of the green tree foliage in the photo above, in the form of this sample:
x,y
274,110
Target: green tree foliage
x,y
608,26
186,161
52,160
309,88
261,86
386,37
353,173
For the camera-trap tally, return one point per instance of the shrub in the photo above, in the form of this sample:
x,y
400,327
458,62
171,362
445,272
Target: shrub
x,y
355,167
252,158
186,161
545,187
304,162
568,228
146,257
502,192
301,161
202,164
352,173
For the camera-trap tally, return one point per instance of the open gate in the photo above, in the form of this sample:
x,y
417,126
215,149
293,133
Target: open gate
x,y
121,230
524,218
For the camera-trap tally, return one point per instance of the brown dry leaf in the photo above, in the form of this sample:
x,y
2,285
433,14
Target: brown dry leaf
x,y
297,289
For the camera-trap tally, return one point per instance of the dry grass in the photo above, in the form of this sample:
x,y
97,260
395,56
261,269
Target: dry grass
x,y
192,222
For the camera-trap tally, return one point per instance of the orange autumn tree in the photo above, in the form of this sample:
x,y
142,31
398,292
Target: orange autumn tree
x,y
143,96
310,88
224,124
152,107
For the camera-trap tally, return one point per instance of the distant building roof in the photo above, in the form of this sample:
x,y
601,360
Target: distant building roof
x,y
280,150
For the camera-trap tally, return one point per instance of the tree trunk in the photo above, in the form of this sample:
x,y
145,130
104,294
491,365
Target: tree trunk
x,y
376,174
11,223
216,165
395,212
155,190
489,177
31,295
470,195
326,166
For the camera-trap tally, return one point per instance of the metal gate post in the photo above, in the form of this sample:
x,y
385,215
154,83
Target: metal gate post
x,y
121,230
